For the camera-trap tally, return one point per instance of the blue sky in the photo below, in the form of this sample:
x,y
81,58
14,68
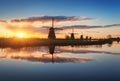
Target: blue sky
x,y
104,12
106,9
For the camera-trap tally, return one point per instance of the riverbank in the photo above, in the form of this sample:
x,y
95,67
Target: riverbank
x,y
18,42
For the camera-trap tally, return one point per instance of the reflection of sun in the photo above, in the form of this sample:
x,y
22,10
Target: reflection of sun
x,y
20,34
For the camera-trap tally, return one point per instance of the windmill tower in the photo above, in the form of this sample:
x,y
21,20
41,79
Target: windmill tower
x,y
51,34
72,34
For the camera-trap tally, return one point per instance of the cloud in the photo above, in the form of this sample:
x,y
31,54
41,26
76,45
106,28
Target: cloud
x,y
40,25
2,21
112,25
49,18
80,27
27,29
24,27
89,27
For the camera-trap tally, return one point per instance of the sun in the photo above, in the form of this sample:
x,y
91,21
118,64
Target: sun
x,y
20,34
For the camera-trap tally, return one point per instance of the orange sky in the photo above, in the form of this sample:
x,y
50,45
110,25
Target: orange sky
x,y
38,27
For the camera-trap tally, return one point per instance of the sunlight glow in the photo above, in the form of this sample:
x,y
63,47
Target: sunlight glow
x,y
20,34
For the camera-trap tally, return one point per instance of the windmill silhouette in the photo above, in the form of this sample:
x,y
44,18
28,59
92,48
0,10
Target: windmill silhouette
x,y
72,35
51,34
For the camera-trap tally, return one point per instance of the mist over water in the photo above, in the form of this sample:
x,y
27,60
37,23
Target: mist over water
x,y
61,63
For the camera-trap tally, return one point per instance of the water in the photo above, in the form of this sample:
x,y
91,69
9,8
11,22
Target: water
x,y
61,63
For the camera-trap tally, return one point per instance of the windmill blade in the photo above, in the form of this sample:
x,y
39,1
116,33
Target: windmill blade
x,y
73,33
58,28
61,33
58,52
92,31
53,22
47,27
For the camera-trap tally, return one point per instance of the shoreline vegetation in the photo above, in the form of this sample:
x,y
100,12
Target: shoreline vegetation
x,y
28,42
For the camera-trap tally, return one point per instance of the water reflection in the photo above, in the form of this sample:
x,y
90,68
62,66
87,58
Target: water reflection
x,y
55,54
77,63
51,51
66,50
35,55
118,41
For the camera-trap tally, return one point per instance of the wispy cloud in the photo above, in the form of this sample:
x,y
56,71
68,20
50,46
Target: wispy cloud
x,y
88,26
27,29
49,18
2,21
38,25
112,25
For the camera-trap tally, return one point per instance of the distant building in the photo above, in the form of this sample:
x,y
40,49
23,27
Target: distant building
x,y
118,38
86,37
90,38
81,37
67,37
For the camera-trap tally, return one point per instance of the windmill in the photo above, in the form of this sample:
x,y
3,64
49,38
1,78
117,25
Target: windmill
x,y
89,38
72,34
51,34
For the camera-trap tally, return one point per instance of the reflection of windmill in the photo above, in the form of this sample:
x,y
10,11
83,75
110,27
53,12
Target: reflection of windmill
x,y
71,36
51,51
51,34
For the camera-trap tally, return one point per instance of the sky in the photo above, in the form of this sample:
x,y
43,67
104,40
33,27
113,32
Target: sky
x,y
96,18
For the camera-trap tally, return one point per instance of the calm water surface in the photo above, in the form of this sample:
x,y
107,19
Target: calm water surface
x,y
61,63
